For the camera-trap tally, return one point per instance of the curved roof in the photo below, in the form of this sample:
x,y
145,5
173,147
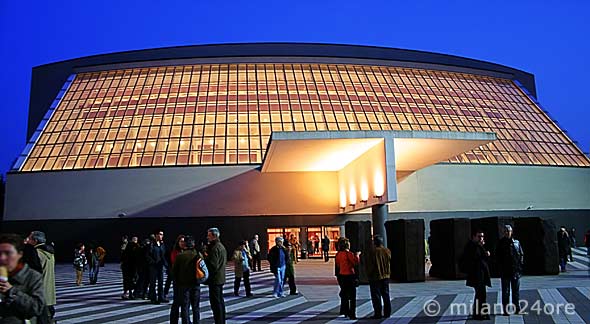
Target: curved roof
x,y
48,79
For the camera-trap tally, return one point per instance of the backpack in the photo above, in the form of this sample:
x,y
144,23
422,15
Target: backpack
x,y
201,271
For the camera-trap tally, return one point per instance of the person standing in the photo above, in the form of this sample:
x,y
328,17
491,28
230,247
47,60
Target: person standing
x,y
587,242
157,261
326,248
216,260
344,269
316,244
93,264
187,289
294,246
242,260
171,257
474,263
129,268
290,269
255,252
563,245
573,243
101,252
79,263
46,256
143,271
510,260
378,267
22,290
278,257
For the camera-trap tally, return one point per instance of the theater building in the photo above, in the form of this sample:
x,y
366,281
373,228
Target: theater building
x,y
280,139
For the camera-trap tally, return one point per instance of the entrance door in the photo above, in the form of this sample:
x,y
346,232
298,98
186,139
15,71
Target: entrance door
x,y
287,233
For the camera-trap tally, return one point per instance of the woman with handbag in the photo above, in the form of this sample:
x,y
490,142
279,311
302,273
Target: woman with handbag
x,y
345,265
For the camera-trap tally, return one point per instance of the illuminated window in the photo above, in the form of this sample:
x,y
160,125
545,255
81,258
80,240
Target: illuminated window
x,y
224,114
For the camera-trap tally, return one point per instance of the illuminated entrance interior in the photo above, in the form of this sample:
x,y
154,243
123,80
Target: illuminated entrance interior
x,y
306,238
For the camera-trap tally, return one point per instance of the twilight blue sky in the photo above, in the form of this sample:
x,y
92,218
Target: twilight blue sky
x,y
547,38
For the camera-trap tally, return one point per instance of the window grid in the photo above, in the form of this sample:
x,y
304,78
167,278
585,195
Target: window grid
x,y
223,114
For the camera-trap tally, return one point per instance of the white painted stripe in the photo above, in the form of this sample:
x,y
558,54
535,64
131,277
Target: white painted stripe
x,y
309,312
460,299
279,306
409,310
554,298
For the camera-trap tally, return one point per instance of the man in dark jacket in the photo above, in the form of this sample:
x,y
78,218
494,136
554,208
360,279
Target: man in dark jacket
x,y
157,261
216,260
563,245
474,262
22,293
326,248
278,258
378,265
510,259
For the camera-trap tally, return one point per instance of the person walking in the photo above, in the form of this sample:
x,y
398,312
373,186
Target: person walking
x,y
255,252
216,260
378,268
563,245
510,260
171,257
474,263
79,263
326,248
242,258
93,264
290,269
129,268
345,266
21,288
46,256
278,257
157,262
187,289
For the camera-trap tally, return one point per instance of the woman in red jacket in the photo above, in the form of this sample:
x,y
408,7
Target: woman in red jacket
x,y
346,262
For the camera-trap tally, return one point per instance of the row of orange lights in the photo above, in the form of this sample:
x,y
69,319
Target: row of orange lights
x,y
350,198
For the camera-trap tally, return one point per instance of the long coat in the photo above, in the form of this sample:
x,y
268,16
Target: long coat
x,y
239,260
563,244
474,262
46,255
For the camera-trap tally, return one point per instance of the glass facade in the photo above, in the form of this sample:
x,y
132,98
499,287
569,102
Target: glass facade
x,y
223,114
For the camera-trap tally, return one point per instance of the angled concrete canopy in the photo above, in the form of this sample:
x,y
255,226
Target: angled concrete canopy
x,y
366,161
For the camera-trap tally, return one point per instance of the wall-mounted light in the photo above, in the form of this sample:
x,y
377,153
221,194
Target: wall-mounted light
x,y
364,201
378,197
352,205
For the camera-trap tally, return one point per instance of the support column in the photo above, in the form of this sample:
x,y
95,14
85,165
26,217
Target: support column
x,y
378,218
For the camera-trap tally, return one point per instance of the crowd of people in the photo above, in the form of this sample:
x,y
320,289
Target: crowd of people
x,y
27,272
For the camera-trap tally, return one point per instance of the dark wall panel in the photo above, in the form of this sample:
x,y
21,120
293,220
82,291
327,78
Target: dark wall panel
x,y
447,241
405,239
359,234
539,243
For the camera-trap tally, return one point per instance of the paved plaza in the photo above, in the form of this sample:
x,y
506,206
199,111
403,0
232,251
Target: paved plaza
x,y
319,301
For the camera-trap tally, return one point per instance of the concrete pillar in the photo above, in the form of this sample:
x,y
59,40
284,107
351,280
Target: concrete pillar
x,y
378,218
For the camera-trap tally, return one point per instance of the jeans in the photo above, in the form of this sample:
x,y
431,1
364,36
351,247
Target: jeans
x,y
279,281
246,276
380,292
217,303
562,263
177,302
514,284
156,274
347,295
93,273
